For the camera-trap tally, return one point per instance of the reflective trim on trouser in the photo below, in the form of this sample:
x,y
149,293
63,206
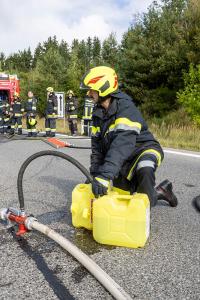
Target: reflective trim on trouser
x,y
150,152
50,124
145,163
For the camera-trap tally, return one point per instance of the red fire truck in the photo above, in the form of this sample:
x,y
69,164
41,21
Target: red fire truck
x,y
9,84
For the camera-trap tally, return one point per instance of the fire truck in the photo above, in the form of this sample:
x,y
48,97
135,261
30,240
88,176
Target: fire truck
x,y
9,84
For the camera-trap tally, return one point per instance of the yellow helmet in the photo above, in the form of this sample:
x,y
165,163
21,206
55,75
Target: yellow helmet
x,y
16,94
50,89
32,121
101,79
70,92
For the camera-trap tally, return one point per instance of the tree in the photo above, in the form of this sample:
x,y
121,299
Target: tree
x,y
110,51
189,97
2,61
96,52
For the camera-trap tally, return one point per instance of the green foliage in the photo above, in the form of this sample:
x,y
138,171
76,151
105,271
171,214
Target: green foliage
x,y
150,61
189,97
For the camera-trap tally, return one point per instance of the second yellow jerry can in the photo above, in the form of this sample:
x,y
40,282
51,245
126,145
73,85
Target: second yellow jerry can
x,y
81,206
122,220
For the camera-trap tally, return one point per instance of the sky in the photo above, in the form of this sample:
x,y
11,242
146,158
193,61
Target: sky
x,y
25,23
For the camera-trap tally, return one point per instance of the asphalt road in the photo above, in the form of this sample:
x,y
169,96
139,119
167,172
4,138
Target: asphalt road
x,y
36,268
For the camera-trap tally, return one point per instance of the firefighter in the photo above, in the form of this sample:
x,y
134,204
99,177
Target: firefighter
x,y
2,109
87,115
124,151
6,118
17,111
51,113
31,114
72,111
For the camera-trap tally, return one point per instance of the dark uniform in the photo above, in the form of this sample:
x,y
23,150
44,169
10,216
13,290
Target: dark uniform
x,y
6,118
87,115
31,112
16,119
123,149
51,114
2,110
72,113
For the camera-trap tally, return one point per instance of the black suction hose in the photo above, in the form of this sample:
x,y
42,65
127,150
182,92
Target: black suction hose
x,y
45,153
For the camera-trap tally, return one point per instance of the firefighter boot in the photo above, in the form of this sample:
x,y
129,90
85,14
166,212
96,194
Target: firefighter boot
x,y
164,192
19,131
52,134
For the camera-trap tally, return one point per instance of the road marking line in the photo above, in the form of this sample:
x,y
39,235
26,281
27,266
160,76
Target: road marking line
x,y
182,153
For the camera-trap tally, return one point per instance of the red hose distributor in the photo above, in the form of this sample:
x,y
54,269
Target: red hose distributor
x,y
14,216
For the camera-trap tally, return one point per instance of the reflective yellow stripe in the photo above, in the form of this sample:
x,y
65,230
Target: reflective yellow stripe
x,y
33,107
103,181
95,130
53,129
19,126
87,117
17,115
73,116
149,151
52,116
124,124
47,129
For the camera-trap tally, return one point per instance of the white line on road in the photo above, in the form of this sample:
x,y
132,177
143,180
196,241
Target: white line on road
x,y
182,153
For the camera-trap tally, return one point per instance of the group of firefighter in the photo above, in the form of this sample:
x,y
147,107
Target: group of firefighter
x,y
11,114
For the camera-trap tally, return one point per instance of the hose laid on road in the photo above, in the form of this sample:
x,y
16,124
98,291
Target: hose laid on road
x,y
40,154
115,290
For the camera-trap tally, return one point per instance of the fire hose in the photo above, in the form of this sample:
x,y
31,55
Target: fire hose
x,y
26,223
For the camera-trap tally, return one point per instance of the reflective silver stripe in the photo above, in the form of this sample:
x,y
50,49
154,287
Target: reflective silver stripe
x,y
103,181
145,163
125,127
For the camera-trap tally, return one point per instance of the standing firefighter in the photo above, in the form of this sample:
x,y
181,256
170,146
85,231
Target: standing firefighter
x,y
17,112
87,115
72,111
4,112
6,119
51,113
123,149
31,114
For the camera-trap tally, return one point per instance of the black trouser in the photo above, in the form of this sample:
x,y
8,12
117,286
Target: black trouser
x,y
1,124
31,128
6,124
87,128
14,121
143,178
50,126
73,126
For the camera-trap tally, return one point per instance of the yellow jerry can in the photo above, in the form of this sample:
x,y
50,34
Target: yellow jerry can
x,y
122,220
81,206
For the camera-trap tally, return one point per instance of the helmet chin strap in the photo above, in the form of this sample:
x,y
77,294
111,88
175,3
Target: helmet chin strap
x,y
102,99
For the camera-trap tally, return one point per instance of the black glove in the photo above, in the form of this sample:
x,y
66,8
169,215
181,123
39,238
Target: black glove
x,y
100,186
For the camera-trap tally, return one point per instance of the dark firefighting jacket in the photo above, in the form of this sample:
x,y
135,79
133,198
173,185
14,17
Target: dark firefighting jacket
x,y
17,109
6,110
72,107
52,106
88,109
2,107
119,136
31,107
